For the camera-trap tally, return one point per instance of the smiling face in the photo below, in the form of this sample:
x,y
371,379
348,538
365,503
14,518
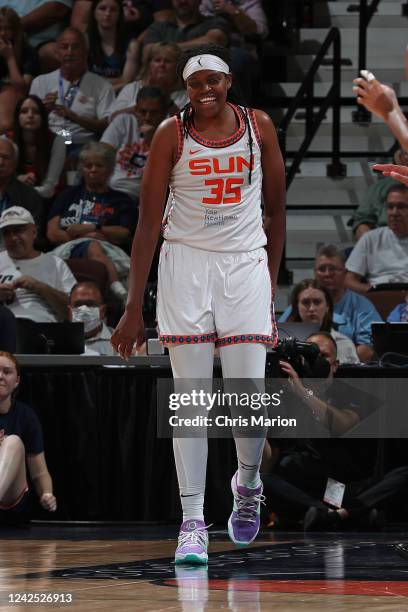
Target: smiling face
x,y
207,90
9,378
312,305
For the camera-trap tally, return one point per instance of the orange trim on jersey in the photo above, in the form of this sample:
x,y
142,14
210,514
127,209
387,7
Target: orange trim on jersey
x,y
187,339
254,123
226,142
14,504
180,137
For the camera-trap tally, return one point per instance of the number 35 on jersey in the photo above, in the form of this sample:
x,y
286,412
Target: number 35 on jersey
x,y
219,189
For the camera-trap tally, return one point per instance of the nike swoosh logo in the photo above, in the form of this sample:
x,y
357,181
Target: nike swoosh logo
x,y
194,152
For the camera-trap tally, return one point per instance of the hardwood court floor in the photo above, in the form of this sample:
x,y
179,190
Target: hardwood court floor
x,y
128,568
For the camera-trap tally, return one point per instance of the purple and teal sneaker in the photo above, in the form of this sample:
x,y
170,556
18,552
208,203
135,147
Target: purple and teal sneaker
x,y
192,543
243,524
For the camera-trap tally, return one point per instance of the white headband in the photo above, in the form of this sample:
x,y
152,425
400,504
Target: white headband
x,y
204,62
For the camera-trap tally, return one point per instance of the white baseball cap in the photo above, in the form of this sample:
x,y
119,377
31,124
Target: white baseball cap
x,y
16,215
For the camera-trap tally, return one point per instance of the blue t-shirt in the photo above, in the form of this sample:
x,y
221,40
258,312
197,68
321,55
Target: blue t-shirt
x,y
111,66
398,314
77,205
353,316
22,421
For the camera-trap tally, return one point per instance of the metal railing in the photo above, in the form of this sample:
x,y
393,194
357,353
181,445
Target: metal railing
x,y
366,11
305,99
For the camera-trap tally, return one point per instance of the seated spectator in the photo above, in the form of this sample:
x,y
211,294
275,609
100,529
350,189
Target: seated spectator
x,y
41,152
111,54
162,9
295,475
381,256
18,65
399,314
42,21
132,135
352,313
312,302
33,285
78,101
86,305
246,17
159,70
372,212
137,15
188,28
92,219
21,446
13,191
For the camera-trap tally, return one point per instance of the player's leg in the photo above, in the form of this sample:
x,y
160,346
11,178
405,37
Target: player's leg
x,y
245,325
187,327
246,361
13,480
189,364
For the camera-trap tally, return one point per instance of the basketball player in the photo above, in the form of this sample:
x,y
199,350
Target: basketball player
x,y
218,267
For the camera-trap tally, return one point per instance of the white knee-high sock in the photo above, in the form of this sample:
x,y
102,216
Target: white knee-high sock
x,y
246,361
190,454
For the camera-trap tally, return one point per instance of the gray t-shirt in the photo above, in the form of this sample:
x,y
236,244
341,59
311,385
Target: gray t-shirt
x,y
169,31
131,153
381,257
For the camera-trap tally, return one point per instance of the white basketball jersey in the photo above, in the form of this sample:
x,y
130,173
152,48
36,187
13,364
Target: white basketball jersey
x,y
211,204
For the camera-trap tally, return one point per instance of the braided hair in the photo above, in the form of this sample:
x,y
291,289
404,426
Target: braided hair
x,y
233,95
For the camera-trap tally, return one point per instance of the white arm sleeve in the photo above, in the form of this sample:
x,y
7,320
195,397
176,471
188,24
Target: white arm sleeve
x,y
55,168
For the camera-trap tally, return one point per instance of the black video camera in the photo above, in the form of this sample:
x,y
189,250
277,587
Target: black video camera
x,y
304,357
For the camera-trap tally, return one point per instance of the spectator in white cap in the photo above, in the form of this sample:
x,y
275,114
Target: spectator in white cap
x,y
33,285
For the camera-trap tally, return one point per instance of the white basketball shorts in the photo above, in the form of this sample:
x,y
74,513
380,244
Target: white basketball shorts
x,y
206,296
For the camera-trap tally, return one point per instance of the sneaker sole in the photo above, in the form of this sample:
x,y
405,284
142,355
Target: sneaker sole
x,y
232,538
191,559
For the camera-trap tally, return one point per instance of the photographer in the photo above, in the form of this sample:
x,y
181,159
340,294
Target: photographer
x,y
301,470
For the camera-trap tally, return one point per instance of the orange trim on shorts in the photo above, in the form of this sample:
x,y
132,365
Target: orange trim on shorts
x,y
14,504
187,339
247,339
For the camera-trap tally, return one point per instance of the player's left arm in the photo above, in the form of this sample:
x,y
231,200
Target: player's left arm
x,y
274,193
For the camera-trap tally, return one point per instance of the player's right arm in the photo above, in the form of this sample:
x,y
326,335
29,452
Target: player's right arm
x,y
156,176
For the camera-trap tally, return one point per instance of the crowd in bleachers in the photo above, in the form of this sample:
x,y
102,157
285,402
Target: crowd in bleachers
x,y
83,86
